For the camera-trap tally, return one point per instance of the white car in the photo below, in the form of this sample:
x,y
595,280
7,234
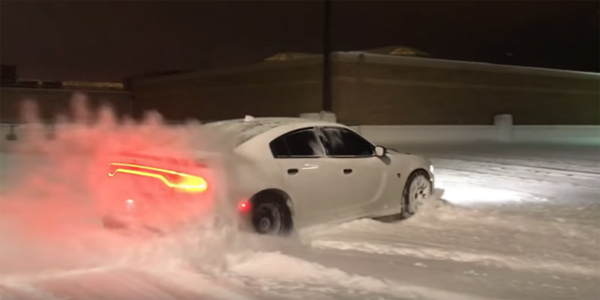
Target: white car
x,y
286,173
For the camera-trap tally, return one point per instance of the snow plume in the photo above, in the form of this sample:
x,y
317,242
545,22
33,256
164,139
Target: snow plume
x,y
58,175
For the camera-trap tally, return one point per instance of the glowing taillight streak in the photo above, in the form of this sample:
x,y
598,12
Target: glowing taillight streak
x,y
189,183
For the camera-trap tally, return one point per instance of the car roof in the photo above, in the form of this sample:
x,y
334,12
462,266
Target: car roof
x,y
245,129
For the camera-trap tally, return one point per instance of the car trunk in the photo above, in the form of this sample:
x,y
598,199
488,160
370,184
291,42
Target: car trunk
x,y
151,190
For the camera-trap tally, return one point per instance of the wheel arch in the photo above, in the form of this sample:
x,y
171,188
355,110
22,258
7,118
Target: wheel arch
x,y
420,163
276,193
419,169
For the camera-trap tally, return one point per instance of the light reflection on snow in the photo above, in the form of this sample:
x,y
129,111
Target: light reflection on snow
x,y
472,195
460,193
464,191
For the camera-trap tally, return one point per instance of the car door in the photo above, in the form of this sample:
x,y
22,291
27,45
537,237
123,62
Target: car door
x,y
362,177
301,159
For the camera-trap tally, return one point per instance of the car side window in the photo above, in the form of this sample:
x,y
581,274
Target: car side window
x,y
279,148
342,142
297,144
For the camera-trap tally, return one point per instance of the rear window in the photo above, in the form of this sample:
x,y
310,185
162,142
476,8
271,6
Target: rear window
x,y
245,130
301,143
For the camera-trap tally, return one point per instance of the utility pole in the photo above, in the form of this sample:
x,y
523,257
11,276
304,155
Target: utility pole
x,y
327,56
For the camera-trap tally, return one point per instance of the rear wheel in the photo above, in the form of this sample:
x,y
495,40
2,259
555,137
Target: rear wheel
x,y
270,215
417,188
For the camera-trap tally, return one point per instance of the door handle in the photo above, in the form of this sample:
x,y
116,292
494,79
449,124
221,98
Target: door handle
x,y
292,171
347,171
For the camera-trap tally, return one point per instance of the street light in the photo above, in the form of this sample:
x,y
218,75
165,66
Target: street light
x,y
327,105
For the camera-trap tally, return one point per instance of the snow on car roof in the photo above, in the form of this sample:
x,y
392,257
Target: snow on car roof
x,y
246,129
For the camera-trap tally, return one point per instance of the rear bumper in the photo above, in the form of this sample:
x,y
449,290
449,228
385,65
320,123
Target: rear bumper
x,y
145,212
110,222
121,222
129,225
124,224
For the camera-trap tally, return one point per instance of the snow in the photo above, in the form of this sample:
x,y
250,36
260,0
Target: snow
x,y
245,129
507,221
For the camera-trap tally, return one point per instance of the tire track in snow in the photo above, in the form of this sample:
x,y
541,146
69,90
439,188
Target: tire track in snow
x,y
486,259
283,272
116,283
471,236
257,275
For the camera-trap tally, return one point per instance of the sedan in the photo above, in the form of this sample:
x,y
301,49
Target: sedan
x,y
283,174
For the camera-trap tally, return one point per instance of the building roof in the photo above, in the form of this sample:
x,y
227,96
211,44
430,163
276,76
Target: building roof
x,y
397,50
290,56
392,55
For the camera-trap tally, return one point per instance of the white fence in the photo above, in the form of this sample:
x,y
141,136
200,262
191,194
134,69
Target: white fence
x,y
394,135
564,134
503,130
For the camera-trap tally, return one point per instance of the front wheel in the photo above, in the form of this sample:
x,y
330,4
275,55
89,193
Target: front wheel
x,y
417,188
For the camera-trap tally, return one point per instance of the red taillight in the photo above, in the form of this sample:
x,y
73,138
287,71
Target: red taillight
x,y
244,206
173,179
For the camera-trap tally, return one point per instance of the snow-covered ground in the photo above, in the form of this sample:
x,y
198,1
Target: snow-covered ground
x,y
508,222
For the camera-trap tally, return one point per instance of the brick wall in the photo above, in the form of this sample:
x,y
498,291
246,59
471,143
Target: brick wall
x,y
376,90
369,93
268,91
379,90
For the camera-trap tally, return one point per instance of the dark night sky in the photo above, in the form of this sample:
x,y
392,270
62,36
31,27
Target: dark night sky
x,y
106,40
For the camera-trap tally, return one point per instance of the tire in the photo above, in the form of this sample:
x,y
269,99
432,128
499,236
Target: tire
x,y
418,187
271,215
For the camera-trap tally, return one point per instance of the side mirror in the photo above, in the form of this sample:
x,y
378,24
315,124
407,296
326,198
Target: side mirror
x,y
380,151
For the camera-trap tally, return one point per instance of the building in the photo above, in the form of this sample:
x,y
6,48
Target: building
x,y
386,86
53,97
393,85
